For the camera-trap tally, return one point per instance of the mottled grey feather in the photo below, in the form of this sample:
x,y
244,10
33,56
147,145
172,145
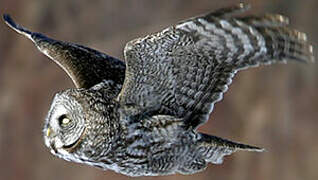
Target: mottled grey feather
x,y
183,70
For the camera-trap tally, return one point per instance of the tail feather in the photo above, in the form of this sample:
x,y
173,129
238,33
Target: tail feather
x,y
215,148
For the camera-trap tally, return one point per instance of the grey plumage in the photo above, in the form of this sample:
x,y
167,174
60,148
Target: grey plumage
x,y
140,118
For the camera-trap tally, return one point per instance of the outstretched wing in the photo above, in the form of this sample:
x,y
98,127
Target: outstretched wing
x,y
86,67
185,69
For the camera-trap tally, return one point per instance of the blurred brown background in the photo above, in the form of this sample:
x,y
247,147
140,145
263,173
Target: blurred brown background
x,y
273,107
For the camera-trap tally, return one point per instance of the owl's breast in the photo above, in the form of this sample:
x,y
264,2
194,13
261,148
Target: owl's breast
x,y
151,148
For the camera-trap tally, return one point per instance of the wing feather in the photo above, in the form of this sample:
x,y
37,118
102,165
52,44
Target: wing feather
x,y
85,66
185,69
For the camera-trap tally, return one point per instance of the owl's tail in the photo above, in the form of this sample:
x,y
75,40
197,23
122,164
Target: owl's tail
x,y
273,41
213,148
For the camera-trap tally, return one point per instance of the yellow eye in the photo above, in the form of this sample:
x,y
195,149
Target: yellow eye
x,y
64,120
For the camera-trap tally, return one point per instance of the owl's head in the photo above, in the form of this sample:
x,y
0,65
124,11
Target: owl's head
x,y
65,123
80,124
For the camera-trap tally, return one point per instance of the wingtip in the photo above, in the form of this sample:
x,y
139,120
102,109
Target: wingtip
x,y
6,17
8,20
19,29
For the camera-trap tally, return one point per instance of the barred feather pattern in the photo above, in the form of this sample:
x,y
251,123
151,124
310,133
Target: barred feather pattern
x,y
232,45
186,68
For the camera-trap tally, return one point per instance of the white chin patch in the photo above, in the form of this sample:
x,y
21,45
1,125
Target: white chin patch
x,y
58,143
46,141
62,151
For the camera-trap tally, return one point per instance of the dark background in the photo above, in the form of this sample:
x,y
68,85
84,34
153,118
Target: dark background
x,y
273,107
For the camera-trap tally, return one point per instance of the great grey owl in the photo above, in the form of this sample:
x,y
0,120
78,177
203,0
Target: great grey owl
x,y
139,117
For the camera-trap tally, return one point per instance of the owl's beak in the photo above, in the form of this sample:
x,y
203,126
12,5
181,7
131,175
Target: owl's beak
x,y
49,141
48,132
